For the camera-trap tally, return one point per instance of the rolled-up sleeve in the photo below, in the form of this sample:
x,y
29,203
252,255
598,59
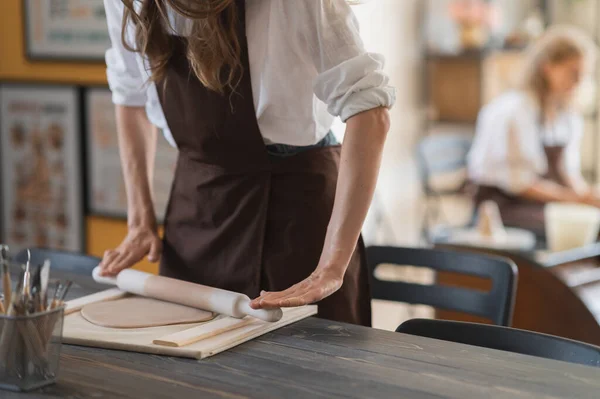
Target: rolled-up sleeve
x,y
350,80
123,72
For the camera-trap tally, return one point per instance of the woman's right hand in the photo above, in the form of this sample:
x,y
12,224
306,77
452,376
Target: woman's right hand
x,y
138,243
591,198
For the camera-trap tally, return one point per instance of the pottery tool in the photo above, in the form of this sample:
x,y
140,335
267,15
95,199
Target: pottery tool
x,y
35,304
57,290
185,293
65,290
15,300
6,283
27,279
44,280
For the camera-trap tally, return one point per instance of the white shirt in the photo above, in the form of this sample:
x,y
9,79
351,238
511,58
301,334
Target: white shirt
x,y
508,151
307,66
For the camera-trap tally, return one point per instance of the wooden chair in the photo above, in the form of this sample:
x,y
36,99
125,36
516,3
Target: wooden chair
x,y
506,339
495,305
70,262
549,299
441,155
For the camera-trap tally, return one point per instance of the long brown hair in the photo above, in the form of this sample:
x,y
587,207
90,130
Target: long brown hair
x,y
213,48
558,44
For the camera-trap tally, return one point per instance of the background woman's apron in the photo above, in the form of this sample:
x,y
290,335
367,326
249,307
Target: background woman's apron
x,y
238,218
521,212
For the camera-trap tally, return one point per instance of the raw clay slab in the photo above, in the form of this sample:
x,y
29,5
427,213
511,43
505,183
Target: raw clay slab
x,y
79,331
139,312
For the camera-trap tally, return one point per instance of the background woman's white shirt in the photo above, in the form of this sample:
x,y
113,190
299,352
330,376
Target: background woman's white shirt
x,y
307,65
508,150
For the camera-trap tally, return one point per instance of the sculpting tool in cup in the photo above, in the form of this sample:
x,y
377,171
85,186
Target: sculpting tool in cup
x,y
59,297
44,280
53,303
6,283
27,279
15,301
65,290
35,304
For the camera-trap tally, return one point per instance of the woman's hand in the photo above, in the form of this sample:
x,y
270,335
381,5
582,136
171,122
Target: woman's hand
x,y
137,149
319,285
138,243
592,198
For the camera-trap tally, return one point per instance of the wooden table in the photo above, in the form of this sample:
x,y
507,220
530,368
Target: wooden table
x,y
320,359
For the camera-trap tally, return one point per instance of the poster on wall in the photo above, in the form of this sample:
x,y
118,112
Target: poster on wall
x,y
42,193
66,29
106,187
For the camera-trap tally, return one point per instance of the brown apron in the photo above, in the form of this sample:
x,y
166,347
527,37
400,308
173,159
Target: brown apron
x,y
518,211
237,218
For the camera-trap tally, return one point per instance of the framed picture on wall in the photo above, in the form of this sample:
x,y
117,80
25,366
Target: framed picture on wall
x,y
65,29
106,187
41,163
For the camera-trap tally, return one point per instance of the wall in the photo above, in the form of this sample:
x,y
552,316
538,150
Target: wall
x,y
101,233
14,66
391,28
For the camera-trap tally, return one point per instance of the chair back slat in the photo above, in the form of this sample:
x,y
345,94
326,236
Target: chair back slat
x,y
495,305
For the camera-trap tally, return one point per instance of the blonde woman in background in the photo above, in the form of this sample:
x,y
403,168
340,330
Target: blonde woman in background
x,y
527,148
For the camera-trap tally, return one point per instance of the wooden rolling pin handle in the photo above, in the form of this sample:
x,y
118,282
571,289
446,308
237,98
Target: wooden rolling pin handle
x,y
185,293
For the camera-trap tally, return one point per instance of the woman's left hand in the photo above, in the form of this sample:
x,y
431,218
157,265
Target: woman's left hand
x,y
319,285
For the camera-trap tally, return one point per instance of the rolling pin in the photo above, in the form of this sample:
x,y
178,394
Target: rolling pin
x,y
185,293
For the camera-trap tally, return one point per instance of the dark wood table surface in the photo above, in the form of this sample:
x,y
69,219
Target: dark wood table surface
x,y
318,359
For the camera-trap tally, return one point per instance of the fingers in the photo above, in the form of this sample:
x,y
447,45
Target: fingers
x,y
298,298
301,294
155,251
271,297
107,261
123,261
311,290
115,260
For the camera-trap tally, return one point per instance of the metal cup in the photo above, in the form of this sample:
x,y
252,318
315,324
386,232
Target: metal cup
x,y
30,350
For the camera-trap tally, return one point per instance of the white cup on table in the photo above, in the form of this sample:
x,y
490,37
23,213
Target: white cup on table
x,y
570,225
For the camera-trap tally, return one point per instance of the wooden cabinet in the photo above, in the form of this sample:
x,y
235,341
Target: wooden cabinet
x,y
459,85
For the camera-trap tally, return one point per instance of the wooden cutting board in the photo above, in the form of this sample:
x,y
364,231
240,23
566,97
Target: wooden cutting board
x,y
78,331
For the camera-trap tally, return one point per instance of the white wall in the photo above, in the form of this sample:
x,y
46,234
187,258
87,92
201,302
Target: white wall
x,y
391,27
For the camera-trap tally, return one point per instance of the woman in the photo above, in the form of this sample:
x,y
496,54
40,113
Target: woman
x,y
527,148
247,91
